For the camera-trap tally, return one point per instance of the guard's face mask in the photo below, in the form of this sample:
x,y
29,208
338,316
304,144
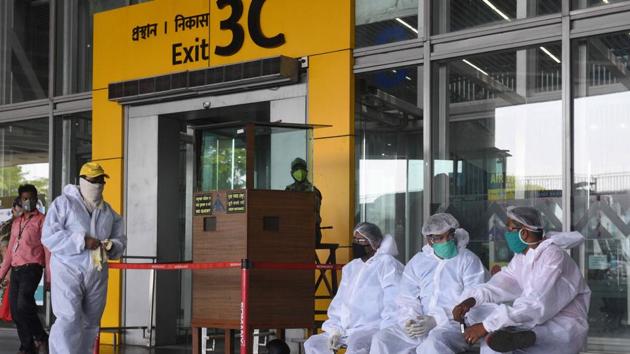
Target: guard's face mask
x,y
299,175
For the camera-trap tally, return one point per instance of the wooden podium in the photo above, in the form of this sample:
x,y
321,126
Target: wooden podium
x,y
260,226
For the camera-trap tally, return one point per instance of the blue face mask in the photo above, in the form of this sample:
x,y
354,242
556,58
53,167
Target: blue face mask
x,y
514,241
445,250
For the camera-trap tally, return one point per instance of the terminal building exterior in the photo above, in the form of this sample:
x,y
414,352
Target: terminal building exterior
x,y
463,106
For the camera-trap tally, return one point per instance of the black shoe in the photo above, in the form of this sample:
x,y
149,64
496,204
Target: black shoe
x,y
41,346
507,341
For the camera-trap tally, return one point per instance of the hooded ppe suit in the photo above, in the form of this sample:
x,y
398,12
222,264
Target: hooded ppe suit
x,y
364,302
78,288
549,297
431,286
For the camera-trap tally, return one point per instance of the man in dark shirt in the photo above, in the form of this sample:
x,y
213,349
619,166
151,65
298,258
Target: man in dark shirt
x,y
299,172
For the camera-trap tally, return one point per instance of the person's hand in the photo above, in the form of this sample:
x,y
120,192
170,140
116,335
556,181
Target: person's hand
x,y
91,243
334,341
495,269
425,324
462,309
475,332
420,327
4,283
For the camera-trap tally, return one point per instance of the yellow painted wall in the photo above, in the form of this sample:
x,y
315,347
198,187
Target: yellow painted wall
x,y
330,97
323,30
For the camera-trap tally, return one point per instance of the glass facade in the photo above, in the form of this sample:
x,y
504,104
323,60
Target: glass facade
x,y
601,182
24,50
497,141
511,119
385,21
23,159
389,155
456,15
583,4
73,73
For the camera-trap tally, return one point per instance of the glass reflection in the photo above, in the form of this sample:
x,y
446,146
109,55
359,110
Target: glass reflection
x,y
601,208
456,15
385,21
582,4
389,154
24,33
23,159
497,142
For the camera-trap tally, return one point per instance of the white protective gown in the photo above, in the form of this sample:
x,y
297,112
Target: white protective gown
x,y
78,289
432,286
549,297
364,302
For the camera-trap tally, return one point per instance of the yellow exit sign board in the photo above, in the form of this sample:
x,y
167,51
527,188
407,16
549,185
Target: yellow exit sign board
x,y
165,36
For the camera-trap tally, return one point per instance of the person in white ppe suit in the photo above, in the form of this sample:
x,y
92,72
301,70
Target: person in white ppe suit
x,y
431,286
364,302
549,296
81,231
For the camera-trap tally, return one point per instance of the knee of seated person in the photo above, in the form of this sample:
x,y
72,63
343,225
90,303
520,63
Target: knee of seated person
x,y
437,334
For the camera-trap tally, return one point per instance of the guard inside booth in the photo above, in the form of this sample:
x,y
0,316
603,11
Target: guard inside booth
x,y
243,210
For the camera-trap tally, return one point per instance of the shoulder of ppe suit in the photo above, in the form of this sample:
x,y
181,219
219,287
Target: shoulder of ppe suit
x,y
421,258
388,263
551,255
59,205
388,247
108,208
349,267
566,240
470,260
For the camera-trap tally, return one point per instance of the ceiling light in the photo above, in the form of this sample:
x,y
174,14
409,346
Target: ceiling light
x,y
402,22
475,67
555,58
495,9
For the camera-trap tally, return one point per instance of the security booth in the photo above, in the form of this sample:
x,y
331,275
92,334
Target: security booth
x,y
241,211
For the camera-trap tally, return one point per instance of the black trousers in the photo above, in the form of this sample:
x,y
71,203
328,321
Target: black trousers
x,y
24,281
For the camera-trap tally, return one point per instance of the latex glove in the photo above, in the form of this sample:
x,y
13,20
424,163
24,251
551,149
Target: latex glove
x,y
412,328
420,327
99,255
334,341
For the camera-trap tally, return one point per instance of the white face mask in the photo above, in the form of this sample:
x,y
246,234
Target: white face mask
x,y
92,193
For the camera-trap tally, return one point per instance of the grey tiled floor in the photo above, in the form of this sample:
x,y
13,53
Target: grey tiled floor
x,y
9,344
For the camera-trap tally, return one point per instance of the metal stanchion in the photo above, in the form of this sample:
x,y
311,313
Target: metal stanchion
x,y
245,344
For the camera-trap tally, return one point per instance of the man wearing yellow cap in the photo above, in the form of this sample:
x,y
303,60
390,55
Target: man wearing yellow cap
x,y
81,231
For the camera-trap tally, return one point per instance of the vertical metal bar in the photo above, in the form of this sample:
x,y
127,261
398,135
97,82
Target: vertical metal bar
x,y
424,14
152,300
567,127
245,344
566,7
427,125
250,136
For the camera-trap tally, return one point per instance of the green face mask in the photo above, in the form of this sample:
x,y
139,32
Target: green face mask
x,y
299,175
514,242
445,250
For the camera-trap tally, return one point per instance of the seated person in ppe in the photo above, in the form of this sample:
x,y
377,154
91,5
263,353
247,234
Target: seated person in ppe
x,y
365,300
431,285
550,297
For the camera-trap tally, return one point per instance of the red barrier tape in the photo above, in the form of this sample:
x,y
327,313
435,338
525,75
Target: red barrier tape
x,y
295,266
175,266
223,265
